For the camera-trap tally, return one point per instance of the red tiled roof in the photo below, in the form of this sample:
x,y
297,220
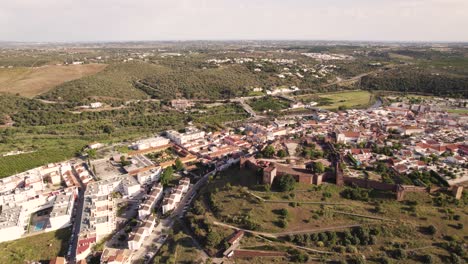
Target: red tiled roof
x,y
238,235
351,134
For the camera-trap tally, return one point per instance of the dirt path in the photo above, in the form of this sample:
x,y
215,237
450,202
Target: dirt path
x,y
280,234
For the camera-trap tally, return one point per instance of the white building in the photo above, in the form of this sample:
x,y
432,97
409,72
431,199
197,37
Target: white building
x,y
146,208
138,237
150,143
172,199
149,176
190,134
11,224
62,210
95,105
99,214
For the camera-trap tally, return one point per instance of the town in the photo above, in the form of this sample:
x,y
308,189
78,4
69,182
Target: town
x,y
124,201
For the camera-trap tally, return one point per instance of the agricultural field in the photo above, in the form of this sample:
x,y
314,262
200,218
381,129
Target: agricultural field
x,y
39,152
37,248
340,100
32,81
347,222
48,144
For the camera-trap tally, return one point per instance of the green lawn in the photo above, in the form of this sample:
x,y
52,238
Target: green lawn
x,y
41,247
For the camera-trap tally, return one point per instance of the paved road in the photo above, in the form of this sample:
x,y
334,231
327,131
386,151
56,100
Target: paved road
x,y
246,106
377,104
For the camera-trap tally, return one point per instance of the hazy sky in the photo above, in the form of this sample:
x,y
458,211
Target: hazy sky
x,y
103,20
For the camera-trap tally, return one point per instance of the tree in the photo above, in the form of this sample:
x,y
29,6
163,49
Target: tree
x,y
297,256
269,151
284,212
91,153
166,176
178,166
124,161
282,223
285,183
318,167
108,129
281,153
213,239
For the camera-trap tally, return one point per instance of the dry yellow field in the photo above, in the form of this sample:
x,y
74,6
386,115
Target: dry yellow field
x,y
30,82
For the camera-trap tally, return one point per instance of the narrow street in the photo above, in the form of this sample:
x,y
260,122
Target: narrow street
x,y
79,203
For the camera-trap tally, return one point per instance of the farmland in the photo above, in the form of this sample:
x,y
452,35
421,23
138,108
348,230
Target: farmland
x,y
32,81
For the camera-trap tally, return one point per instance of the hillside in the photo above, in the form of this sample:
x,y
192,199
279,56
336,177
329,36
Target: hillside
x,y
213,83
168,79
419,81
32,81
114,82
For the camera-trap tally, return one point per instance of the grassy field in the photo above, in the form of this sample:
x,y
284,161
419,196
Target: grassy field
x,y
179,248
268,103
400,224
41,247
458,111
30,82
217,115
347,99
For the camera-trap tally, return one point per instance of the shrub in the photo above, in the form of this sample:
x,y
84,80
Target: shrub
x,y
351,249
282,223
431,230
285,183
284,212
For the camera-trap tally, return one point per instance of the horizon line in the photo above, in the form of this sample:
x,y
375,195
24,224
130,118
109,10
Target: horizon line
x,y
239,40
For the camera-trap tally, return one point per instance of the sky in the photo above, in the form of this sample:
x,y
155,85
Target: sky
x,y
123,20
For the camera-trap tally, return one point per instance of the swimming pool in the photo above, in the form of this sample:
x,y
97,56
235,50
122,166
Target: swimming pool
x,y
39,226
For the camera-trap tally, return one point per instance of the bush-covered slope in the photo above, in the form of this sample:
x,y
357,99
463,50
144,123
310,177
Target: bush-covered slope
x,y
115,82
408,80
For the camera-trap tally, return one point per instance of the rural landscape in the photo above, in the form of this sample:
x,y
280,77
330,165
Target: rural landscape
x,y
233,152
